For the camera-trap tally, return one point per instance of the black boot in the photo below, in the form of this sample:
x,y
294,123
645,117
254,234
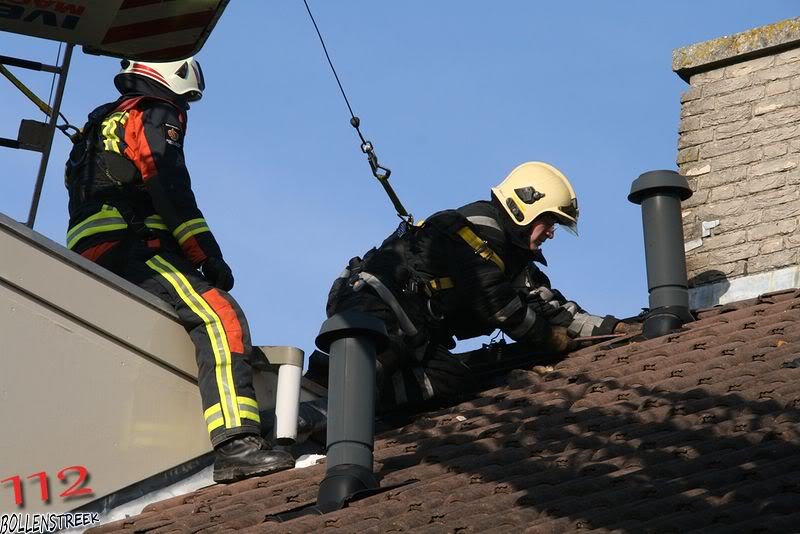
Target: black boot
x,y
248,456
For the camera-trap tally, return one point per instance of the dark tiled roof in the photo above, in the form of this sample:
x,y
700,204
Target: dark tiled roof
x,y
692,431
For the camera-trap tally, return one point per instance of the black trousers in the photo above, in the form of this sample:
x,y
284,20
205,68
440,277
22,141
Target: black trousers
x,y
409,370
214,321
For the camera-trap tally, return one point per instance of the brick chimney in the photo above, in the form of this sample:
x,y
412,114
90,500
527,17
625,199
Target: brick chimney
x,y
739,148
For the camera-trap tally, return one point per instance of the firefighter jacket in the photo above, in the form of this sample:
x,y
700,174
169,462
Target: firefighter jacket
x,y
127,178
454,275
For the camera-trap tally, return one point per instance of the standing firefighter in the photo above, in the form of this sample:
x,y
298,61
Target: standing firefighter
x,y
465,273
132,211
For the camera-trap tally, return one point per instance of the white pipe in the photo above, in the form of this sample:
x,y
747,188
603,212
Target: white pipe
x,y
287,403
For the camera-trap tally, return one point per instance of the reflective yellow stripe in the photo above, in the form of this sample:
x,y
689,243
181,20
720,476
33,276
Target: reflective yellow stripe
x,y
216,335
190,228
155,222
213,410
247,401
106,220
441,283
215,424
248,408
250,415
481,247
214,418
110,138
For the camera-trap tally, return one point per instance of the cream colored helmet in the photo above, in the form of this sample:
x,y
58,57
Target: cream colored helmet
x,y
535,188
184,77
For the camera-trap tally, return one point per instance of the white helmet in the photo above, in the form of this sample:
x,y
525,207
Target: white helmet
x,y
184,77
534,188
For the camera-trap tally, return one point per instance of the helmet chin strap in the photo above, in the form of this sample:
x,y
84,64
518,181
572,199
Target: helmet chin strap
x,y
522,237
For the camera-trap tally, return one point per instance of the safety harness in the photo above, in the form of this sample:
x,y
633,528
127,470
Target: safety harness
x,y
77,174
417,283
85,160
481,248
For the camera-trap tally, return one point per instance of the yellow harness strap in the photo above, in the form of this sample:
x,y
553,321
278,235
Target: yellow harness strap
x,y
438,284
481,247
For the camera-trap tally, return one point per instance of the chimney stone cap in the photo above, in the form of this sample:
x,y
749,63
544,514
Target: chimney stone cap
x,y
731,49
655,182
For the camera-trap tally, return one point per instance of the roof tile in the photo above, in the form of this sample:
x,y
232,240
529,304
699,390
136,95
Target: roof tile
x,y
693,431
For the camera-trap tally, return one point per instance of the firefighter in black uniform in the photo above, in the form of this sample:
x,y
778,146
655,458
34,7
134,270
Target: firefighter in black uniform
x,y
132,211
465,273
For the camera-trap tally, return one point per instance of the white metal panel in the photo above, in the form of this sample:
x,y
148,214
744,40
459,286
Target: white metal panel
x,y
154,30
94,372
58,281
73,396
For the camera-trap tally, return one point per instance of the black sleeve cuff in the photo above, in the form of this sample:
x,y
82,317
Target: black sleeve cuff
x,y
607,326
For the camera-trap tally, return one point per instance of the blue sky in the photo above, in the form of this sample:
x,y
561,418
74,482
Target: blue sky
x,y
453,95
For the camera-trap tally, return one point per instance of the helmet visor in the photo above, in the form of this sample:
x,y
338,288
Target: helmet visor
x,y
198,71
570,226
570,222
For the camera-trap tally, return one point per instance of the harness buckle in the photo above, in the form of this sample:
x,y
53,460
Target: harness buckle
x,y
482,249
413,286
419,287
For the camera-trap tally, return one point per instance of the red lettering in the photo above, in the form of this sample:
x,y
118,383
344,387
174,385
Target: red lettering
x,y
17,488
11,12
44,485
48,19
48,14
72,9
52,5
75,490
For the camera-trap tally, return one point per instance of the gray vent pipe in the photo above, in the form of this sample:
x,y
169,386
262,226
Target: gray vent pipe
x,y
660,194
352,339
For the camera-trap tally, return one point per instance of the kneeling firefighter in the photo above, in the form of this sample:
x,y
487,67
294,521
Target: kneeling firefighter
x,y
465,273
132,211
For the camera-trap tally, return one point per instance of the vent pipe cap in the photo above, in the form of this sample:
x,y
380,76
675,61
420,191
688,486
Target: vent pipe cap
x,y
659,182
352,324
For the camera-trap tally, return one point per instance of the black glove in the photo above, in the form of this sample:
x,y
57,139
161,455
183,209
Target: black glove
x,y
550,303
218,273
